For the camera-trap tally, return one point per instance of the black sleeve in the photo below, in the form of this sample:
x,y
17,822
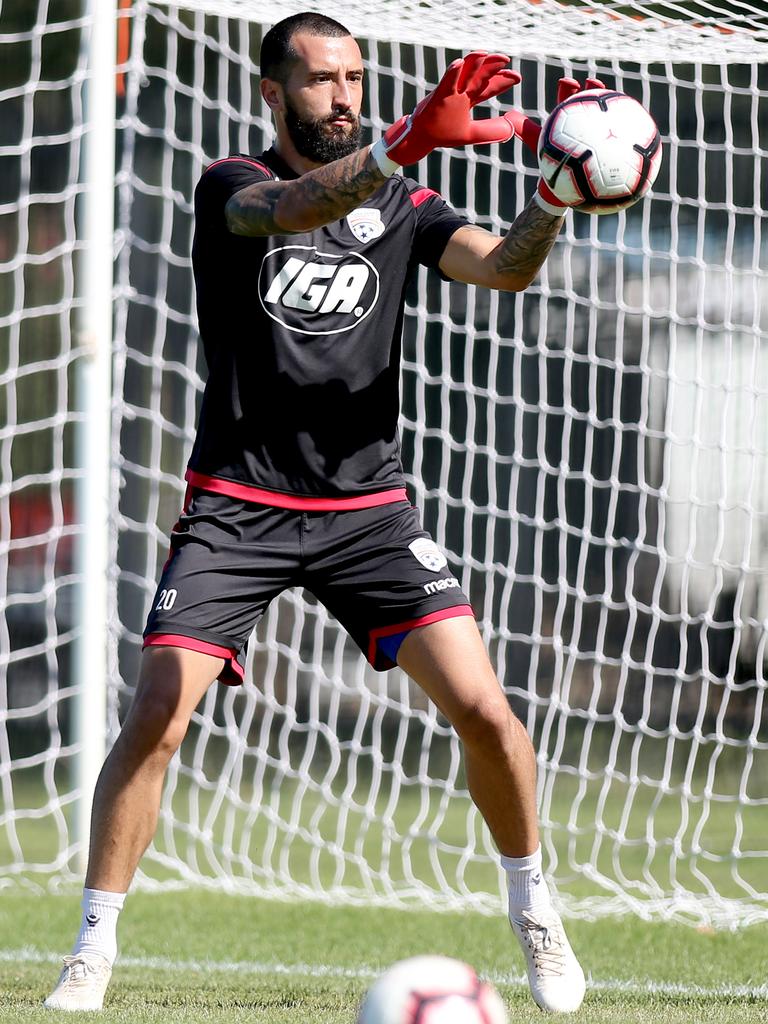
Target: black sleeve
x,y
435,223
222,180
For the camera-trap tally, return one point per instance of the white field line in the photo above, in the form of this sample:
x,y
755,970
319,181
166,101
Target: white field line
x,y
364,973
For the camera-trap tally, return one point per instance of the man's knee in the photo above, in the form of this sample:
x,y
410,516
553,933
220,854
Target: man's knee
x,y
154,725
487,723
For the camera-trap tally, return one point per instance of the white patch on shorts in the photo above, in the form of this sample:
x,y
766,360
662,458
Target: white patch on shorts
x,y
429,554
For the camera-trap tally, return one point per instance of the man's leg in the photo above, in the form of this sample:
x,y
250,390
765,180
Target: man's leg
x,y
126,805
449,661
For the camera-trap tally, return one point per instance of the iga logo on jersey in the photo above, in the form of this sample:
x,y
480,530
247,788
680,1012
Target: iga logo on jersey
x,y
315,292
365,223
428,553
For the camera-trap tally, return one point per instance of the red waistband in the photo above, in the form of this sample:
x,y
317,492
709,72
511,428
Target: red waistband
x,y
246,492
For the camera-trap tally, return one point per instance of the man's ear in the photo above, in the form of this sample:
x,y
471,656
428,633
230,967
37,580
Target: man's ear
x,y
273,94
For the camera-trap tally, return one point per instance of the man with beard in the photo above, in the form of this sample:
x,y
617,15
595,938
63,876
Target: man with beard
x,y
301,258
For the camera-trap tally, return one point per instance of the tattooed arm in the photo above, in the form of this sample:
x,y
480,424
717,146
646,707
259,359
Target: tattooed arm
x,y
318,197
475,256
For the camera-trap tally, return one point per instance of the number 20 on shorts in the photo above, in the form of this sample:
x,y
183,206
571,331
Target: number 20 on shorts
x,y
166,601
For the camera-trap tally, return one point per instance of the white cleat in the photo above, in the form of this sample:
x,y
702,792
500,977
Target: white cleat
x,y
82,984
554,974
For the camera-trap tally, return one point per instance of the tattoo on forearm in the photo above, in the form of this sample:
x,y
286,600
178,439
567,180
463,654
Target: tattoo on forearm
x,y
528,242
319,197
254,213
339,187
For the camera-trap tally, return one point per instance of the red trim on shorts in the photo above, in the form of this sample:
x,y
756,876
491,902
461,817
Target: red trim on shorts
x,y
421,195
247,492
240,159
423,620
191,643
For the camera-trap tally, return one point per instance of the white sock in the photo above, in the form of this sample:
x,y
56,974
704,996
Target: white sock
x,y
528,888
98,930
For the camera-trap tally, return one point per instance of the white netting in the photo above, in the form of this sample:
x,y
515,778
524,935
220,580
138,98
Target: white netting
x,y
591,454
709,32
40,148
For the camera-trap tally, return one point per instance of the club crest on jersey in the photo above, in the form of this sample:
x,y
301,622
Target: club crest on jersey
x,y
313,292
365,223
428,553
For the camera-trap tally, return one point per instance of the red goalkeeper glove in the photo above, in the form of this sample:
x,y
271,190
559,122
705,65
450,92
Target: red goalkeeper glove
x,y
529,130
444,117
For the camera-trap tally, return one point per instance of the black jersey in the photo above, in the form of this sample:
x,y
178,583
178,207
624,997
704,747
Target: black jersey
x,y
302,339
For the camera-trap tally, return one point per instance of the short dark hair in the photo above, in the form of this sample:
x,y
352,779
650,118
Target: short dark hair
x,y
277,55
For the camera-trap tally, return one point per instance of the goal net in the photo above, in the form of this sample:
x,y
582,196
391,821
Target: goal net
x,y
592,455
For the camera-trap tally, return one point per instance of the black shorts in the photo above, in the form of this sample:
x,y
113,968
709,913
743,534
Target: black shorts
x,y
375,569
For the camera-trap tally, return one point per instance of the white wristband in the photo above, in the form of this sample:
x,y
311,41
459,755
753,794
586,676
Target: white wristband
x,y
550,208
379,154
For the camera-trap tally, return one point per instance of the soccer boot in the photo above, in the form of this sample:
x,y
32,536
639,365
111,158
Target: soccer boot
x,y
554,974
82,984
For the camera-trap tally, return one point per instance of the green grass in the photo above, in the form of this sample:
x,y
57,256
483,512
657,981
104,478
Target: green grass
x,y
202,956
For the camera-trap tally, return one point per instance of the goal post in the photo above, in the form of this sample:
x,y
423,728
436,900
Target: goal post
x,y
591,455
93,390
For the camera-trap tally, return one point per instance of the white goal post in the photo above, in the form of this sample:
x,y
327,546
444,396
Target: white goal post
x,y
592,455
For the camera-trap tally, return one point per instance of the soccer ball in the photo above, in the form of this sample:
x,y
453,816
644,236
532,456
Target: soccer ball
x,y
431,990
599,151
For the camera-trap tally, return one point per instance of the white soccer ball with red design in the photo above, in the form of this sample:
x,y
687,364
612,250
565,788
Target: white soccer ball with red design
x,y
431,990
599,151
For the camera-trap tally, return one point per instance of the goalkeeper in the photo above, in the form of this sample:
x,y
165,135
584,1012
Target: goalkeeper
x,y
301,258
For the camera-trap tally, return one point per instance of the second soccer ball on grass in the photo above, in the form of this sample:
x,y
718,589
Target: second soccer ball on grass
x,y
431,990
599,151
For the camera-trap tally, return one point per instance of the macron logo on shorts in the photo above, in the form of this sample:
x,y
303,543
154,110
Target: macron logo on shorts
x,y
428,553
313,292
436,586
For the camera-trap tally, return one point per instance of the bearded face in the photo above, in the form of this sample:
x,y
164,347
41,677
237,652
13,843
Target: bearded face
x,y
323,139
